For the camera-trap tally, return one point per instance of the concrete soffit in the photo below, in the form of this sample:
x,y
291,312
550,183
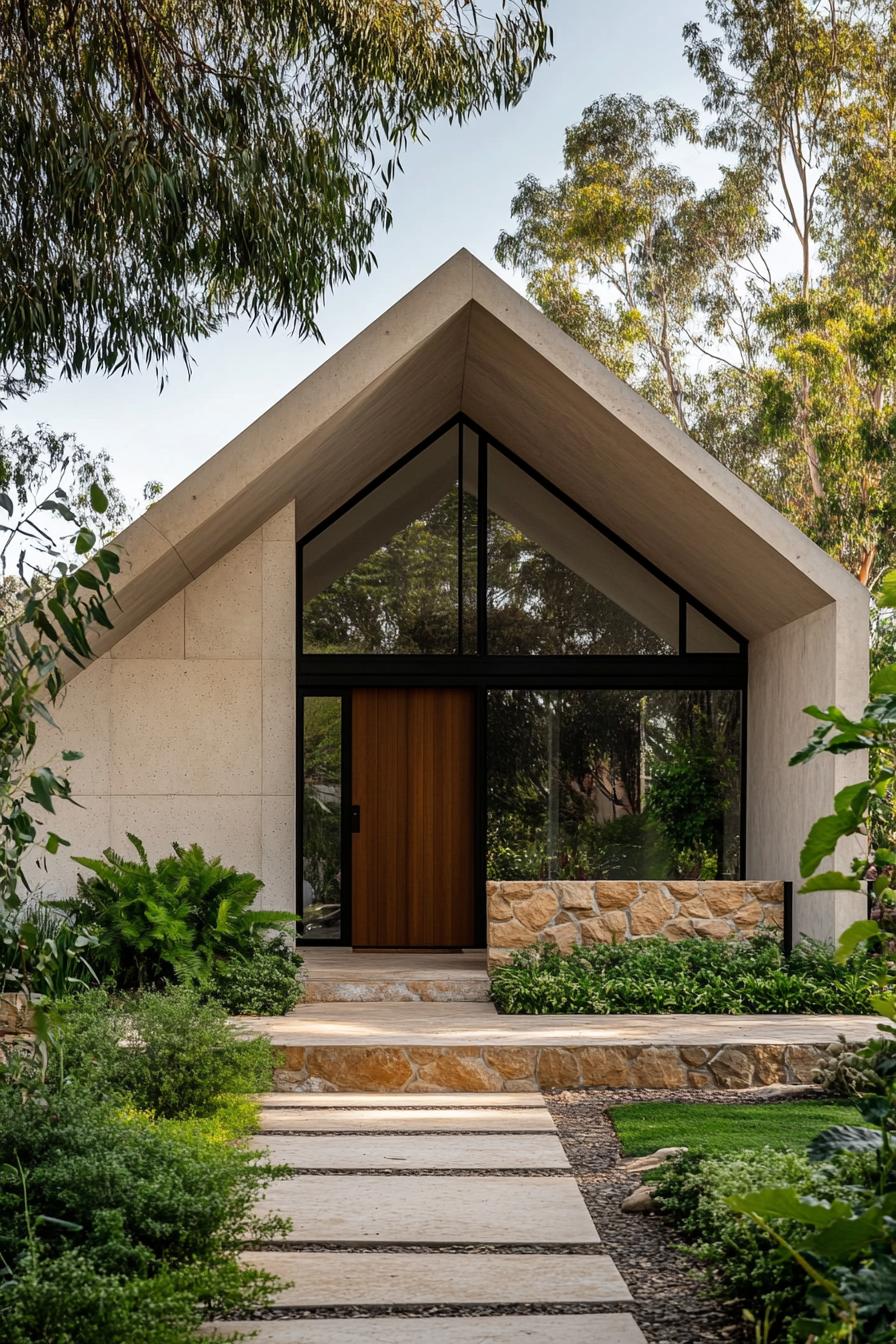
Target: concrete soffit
x,y
465,340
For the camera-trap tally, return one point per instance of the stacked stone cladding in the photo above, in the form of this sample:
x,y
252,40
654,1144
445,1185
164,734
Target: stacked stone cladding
x,y
571,913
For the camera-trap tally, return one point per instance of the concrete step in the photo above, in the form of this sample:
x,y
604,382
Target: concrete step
x,y
402,1279
431,1210
606,1328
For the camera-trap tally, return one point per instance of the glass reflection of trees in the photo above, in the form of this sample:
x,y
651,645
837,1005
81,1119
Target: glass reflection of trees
x,y
612,783
322,817
400,599
536,605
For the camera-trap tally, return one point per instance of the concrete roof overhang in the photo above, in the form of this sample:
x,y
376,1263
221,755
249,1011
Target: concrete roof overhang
x,y
463,340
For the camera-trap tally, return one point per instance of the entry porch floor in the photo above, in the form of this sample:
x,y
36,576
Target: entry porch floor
x,y
428,1047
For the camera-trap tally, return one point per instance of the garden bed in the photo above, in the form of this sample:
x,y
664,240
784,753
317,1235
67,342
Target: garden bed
x,y
652,975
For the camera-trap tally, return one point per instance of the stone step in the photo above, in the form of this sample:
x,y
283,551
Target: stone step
x,y
458,989
432,1210
415,1152
340,975
398,1279
611,1328
398,1120
468,1047
429,1100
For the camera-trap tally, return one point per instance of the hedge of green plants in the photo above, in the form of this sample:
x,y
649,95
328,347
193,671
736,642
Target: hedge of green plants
x,y
123,1199
696,975
805,1241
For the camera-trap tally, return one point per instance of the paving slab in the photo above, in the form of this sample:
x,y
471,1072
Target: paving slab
x,y
436,1152
607,1328
395,1278
431,1024
323,1101
507,1120
432,1210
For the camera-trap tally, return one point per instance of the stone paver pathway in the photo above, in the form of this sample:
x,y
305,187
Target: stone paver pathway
x,y
451,1219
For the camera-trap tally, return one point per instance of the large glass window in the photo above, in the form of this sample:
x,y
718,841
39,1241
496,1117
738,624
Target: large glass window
x,y
385,576
556,585
402,570
322,817
613,784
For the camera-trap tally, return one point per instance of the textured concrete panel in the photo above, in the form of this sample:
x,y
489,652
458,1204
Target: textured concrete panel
x,y
223,606
186,728
432,1210
84,716
159,636
87,830
413,1152
278,726
229,827
340,1278
278,599
278,842
282,526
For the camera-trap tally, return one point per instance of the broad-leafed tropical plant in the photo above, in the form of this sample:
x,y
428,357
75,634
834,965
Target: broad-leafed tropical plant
x,y
864,810
169,921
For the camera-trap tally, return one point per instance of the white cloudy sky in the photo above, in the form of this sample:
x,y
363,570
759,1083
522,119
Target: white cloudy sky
x,y
455,192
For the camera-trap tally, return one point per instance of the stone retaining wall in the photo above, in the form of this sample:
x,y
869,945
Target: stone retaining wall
x,y
568,913
475,1068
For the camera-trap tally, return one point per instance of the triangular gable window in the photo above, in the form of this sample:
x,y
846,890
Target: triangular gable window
x,y
410,567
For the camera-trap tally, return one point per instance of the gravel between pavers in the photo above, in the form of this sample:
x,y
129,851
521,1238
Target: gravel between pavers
x,y
671,1304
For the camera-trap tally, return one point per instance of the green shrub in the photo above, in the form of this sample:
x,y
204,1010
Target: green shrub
x,y
135,1192
65,1299
168,1053
741,1260
174,921
696,975
265,983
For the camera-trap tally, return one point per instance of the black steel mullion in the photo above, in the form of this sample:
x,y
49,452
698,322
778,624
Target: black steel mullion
x,y
460,537
482,548
606,531
378,480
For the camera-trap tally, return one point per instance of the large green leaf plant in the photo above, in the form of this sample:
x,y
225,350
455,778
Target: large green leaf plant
x,y
848,1245
175,920
57,592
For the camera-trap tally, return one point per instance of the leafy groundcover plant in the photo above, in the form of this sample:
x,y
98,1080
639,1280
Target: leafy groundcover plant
x,y
187,919
123,1198
652,975
807,1242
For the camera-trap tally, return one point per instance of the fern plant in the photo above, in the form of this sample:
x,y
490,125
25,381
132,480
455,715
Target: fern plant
x,y
175,920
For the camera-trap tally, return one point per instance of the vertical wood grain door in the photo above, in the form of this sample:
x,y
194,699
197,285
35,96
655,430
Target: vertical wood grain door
x,y
413,787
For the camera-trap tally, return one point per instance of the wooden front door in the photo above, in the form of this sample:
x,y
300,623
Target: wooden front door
x,y
413,787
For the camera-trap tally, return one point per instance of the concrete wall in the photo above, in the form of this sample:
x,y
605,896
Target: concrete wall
x,y
188,724
821,659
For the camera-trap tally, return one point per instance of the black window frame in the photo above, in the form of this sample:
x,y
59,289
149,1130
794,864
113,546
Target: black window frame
x,y
339,673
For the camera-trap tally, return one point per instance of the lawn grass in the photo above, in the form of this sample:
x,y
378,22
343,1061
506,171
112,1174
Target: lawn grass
x,y
711,1127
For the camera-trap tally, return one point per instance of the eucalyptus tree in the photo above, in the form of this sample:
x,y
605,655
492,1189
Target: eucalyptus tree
x,y
164,167
758,314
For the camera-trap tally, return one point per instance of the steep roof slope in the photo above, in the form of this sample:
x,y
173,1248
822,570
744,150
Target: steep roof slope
x,y
463,340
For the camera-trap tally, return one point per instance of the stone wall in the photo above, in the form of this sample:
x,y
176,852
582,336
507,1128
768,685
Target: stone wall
x,y
499,1068
569,913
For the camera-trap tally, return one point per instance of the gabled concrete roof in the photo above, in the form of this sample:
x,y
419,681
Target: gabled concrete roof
x,y
463,340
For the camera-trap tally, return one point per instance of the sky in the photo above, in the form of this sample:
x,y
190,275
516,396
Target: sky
x,y
455,192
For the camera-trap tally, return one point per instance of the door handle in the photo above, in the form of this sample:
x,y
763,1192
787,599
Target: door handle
x,y
356,818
